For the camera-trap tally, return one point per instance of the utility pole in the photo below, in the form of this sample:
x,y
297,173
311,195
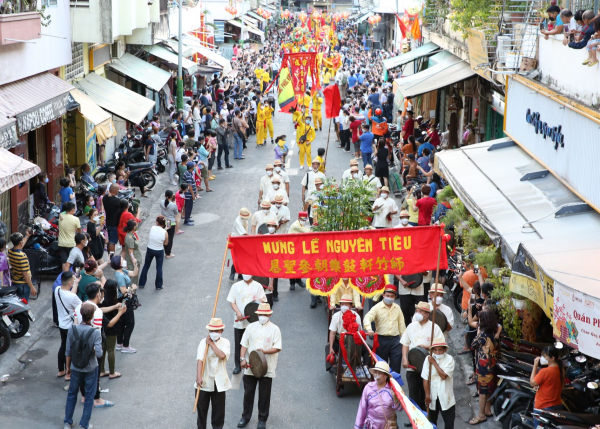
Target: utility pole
x,y
179,60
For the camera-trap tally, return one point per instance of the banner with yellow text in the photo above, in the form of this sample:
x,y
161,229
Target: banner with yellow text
x,y
339,254
301,65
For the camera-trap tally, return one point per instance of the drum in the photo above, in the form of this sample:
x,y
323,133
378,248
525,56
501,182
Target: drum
x,y
417,356
250,312
258,364
440,319
413,281
263,229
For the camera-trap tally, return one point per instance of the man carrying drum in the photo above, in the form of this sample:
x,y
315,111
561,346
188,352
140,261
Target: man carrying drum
x,y
389,325
264,337
214,381
241,294
345,289
437,293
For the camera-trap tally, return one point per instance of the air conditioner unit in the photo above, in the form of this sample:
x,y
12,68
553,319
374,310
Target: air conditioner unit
x,y
504,46
118,49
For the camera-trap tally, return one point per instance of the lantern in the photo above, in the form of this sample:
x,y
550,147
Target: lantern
x,y
345,15
377,18
371,20
316,14
234,11
337,17
286,14
259,11
302,16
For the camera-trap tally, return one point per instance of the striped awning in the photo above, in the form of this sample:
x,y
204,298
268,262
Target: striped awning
x,y
15,170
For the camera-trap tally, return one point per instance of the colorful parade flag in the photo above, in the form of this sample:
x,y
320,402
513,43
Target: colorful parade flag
x,y
403,28
301,64
333,101
416,29
286,99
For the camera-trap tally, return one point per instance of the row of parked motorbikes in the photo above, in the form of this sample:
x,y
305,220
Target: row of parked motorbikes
x,y
15,316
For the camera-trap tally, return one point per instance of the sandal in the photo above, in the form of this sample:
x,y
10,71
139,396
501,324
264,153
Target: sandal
x,y
105,405
104,374
476,421
464,352
115,375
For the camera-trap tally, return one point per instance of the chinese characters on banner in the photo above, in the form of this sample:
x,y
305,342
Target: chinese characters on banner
x,y
301,65
577,320
339,254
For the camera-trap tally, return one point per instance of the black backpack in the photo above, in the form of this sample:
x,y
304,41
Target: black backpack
x,y
82,348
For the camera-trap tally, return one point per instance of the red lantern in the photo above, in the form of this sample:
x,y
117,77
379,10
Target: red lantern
x,y
234,11
345,15
377,18
259,11
337,17
316,14
371,20
302,16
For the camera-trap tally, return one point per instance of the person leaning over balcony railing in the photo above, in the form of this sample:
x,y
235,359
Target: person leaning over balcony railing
x,y
593,42
554,17
589,30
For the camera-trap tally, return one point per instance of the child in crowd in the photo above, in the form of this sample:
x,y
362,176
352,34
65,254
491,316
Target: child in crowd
x,y
320,154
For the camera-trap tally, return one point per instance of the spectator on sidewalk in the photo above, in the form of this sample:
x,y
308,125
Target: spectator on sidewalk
x,y
68,227
111,204
20,273
157,239
126,293
67,301
110,324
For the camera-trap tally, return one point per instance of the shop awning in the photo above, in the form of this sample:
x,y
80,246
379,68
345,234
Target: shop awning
x,y
235,22
207,70
426,49
137,69
8,131
215,57
257,16
256,31
363,18
250,21
173,44
35,100
102,120
491,181
170,57
115,98
15,170
450,71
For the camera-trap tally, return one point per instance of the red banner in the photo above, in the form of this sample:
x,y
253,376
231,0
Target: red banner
x,y
339,254
301,64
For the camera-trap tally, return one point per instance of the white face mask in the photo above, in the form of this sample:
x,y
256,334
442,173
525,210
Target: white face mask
x,y
404,221
438,357
388,300
123,263
271,229
321,187
265,210
275,185
384,195
303,221
278,169
214,336
418,317
315,169
263,319
344,308
85,244
246,277
355,175
543,361
438,300
269,173
96,218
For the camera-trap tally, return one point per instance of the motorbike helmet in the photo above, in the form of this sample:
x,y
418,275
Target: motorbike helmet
x,y
378,112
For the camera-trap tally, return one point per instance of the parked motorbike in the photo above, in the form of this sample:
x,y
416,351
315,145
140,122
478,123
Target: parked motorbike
x,y
45,248
4,332
161,159
562,419
17,310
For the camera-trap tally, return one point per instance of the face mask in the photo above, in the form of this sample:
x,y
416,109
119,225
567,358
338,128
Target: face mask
x,y
85,244
114,180
388,301
269,173
92,204
278,206
315,169
438,300
275,186
123,263
278,169
384,196
321,187
404,221
263,319
46,180
246,277
96,218
214,336
271,229
344,308
438,357
265,210
418,317
543,361
355,175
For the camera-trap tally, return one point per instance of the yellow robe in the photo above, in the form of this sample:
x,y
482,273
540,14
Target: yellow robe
x,y
260,125
304,149
268,111
316,112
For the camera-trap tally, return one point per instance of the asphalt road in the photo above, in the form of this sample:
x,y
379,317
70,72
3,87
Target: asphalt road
x,y
156,389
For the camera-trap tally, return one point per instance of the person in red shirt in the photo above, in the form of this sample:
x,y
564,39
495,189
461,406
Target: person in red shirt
x,y
434,136
409,127
425,206
550,381
355,129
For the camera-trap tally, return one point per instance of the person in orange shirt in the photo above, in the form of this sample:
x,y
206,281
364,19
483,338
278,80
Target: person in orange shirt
x,y
550,381
467,281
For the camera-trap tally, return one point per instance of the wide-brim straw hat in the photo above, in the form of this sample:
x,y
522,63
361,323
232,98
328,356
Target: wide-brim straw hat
x,y
265,204
440,342
215,324
381,366
346,298
264,309
437,288
245,213
385,189
423,306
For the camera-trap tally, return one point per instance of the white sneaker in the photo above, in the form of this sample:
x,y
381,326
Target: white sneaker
x,y
119,346
27,334
301,167
128,350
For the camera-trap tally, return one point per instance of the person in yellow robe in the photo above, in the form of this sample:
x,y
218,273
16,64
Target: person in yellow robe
x,y
316,111
296,116
306,100
305,135
260,124
268,110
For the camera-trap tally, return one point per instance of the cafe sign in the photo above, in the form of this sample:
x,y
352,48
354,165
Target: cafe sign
x,y
554,134
43,113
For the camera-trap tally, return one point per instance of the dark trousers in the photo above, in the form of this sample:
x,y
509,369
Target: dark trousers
x,y
83,387
160,257
126,327
54,309
264,396
345,139
407,305
217,418
171,234
390,350
62,359
416,391
448,416
275,292
237,335
189,205
223,149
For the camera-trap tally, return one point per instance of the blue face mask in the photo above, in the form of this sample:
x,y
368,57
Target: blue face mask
x,y
114,180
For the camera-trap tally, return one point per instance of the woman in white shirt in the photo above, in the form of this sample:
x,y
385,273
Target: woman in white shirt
x,y
439,392
157,239
196,117
168,208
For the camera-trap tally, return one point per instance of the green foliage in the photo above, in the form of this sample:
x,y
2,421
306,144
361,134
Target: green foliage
x,y
467,14
343,207
487,259
457,214
447,194
478,237
510,320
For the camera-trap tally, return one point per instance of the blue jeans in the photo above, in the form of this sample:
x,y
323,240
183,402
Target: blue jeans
x,y
150,255
91,385
238,146
367,159
23,290
555,408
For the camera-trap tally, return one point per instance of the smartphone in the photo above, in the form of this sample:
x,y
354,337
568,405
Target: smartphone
x,y
77,272
476,269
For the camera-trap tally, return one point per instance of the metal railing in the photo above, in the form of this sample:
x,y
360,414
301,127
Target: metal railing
x,y
575,5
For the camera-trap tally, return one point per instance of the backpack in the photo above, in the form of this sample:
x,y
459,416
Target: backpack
x,y
82,348
344,79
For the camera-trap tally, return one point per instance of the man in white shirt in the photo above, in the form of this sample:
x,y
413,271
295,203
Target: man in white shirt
x,y
308,181
404,216
66,302
276,189
260,217
437,292
348,173
383,209
439,392
266,183
284,176
281,212
240,227
266,337
418,334
240,294
214,381
371,181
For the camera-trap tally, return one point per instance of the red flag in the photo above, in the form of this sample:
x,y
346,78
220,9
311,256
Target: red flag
x,y
403,28
333,101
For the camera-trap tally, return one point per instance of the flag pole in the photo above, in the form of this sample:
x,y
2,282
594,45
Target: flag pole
x,y
213,315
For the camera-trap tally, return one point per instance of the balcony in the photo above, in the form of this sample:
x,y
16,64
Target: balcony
x,y
19,27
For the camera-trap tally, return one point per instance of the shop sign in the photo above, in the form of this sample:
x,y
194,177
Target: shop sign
x,y
577,320
90,145
43,113
547,131
8,136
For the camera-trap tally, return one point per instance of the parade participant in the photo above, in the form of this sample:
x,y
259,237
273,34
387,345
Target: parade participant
x,y
305,134
260,216
276,188
306,99
296,116
240,228
300,226
380,125
268,111
308,181
418,334
241,294
410,295
439,392
261,124
378,403
389,325
404,217
316,111
266,183
372,183
437,292
281,212
284,176
348,173
336,327
311,199
320,153
214,381
262,336
384,209
345,288
281,148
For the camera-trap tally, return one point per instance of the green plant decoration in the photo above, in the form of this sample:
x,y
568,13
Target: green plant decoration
x,y
487,258
468,14
510,319
447,194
